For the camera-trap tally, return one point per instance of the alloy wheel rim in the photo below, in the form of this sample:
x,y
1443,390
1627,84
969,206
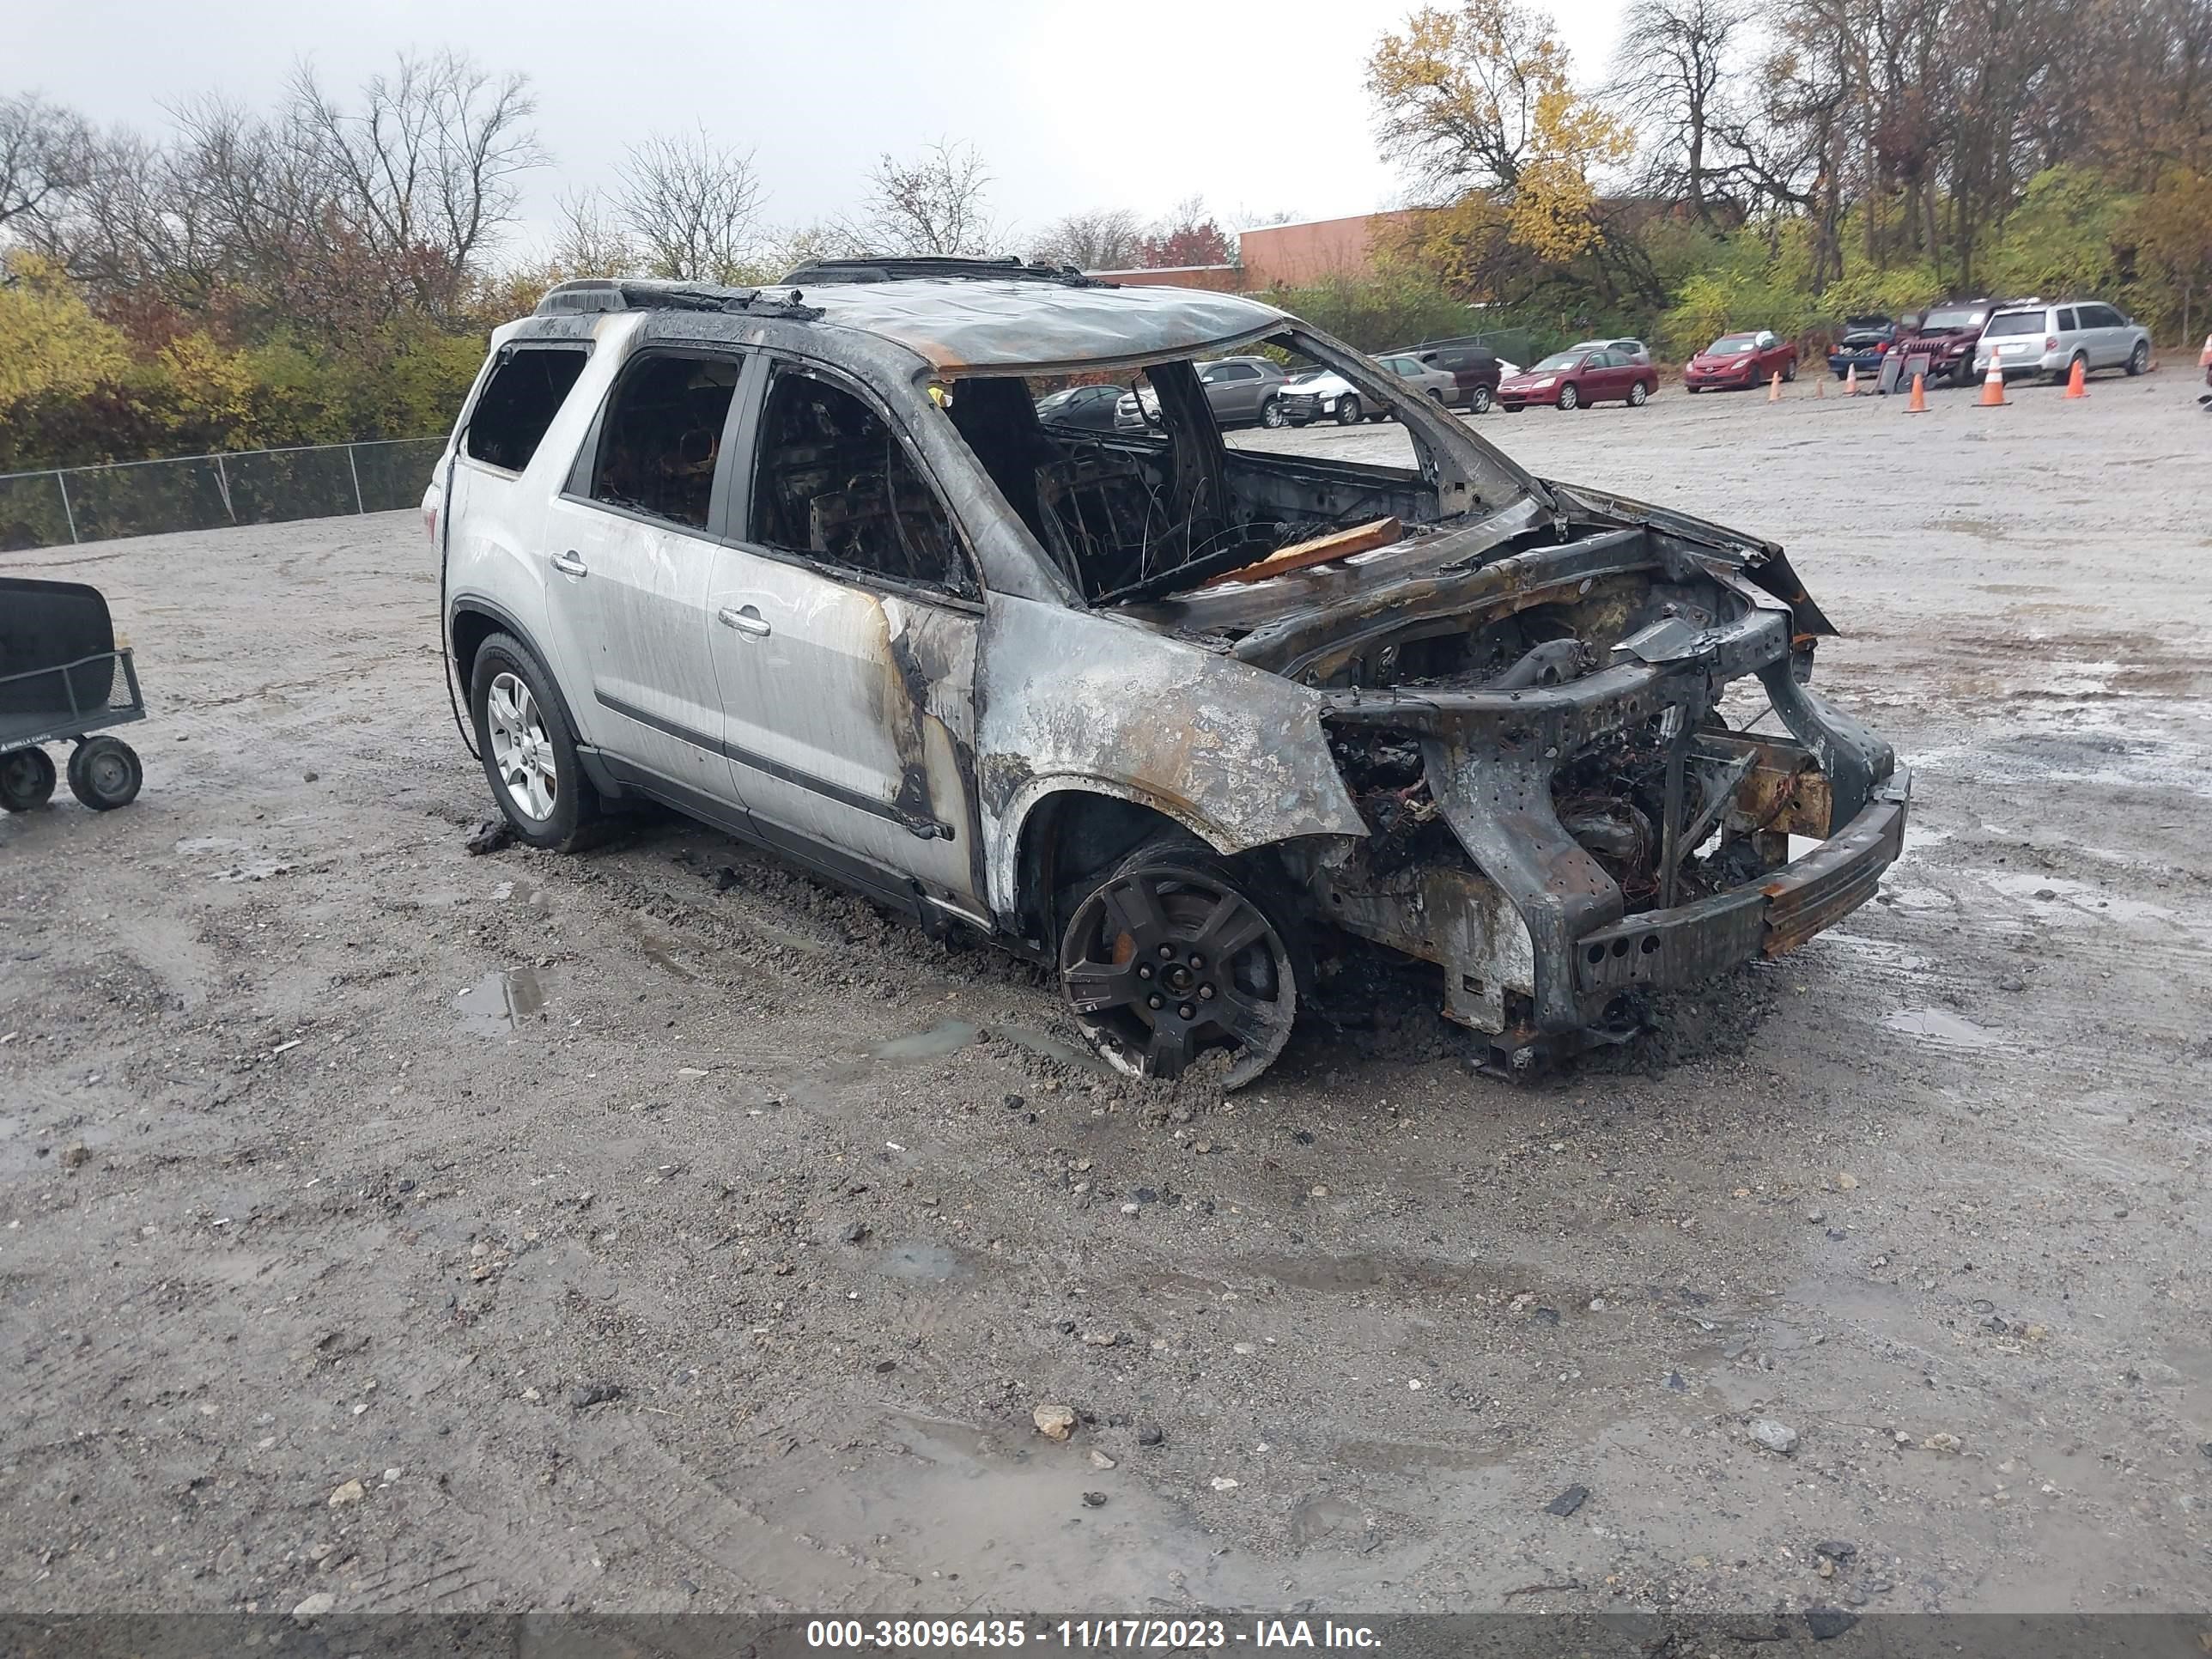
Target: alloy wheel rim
x,y
521,749
1163,965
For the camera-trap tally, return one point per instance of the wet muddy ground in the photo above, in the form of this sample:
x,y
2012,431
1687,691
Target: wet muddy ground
x,y
441,1232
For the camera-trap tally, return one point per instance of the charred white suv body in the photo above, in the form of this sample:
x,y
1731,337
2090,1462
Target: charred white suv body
x,y
1165,715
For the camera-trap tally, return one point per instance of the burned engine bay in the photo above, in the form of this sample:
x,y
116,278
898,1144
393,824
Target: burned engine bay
x,y
1561,811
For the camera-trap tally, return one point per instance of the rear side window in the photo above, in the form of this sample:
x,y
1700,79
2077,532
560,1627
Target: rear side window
x,y
834,482
2066,322
662,438
525,391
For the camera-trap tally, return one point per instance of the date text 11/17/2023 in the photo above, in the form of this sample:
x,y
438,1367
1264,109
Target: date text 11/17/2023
x,y
1158,1635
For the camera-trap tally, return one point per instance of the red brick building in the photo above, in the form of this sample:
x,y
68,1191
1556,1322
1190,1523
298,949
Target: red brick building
x,y
1280,256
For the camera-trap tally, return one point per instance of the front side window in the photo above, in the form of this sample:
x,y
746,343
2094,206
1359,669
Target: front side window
x,y
662,436
832,482
519,402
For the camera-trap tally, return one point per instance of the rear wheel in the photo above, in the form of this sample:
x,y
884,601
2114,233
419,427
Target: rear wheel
x,y
1271,412
1789,369
1569,397
1479,400
1638,395
1173,954
528,753
27,780
103,773
1347,410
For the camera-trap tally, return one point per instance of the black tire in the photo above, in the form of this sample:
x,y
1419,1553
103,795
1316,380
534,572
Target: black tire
x,y
103,773
537,735
1480,400
1271,412
1570,398
1145,932
27,780
2139,359
1347,410
1638,395
1789,369
2061,376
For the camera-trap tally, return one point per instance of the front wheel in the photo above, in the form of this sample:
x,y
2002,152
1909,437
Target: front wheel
x,y
1480,400
103,773
1569,397
1271,412
1638,395
2139,359
528,753
27,780
1174,954
1347,410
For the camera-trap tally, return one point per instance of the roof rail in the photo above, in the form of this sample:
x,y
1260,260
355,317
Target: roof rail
x,y
598,293
900,267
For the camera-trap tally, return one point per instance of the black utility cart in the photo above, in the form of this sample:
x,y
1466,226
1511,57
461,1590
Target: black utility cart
x,y
62,679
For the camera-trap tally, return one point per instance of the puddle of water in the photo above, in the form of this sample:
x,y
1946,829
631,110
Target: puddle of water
x,y
931,1262
2071,900
195,846
947,1036
1947,1031
492,1005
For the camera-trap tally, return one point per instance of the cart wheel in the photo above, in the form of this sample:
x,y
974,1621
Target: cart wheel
x,y
27,779
103,773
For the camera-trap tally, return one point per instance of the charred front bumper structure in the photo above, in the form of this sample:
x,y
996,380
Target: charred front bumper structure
x,y
1581,822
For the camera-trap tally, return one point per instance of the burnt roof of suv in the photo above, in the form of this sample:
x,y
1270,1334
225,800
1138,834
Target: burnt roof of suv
x,y
962,316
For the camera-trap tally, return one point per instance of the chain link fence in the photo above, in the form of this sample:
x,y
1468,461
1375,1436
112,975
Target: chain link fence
x,y
206,492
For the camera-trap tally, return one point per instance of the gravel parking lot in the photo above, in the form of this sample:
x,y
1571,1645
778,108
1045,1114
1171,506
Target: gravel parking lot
x,y
656,1230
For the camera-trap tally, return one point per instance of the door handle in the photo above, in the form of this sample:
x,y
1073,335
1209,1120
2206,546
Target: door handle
x,y
569,565
745,619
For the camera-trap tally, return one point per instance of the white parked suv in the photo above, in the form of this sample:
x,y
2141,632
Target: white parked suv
x,y
1164,715
2049,339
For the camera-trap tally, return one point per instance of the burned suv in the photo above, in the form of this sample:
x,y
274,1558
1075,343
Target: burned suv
x,y
1164,715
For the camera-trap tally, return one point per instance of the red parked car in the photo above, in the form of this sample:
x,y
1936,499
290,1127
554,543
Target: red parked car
x,y
1740,360
1575,379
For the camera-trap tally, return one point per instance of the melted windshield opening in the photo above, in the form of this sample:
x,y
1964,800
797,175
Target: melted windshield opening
x,y
1141,483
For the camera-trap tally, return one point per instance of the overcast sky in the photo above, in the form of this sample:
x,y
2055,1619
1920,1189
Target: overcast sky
x,y
1252,103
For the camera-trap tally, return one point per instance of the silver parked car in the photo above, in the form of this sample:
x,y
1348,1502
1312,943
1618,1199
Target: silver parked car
x,y
1635,350
1426,379
1240,391
2049,339
1164,715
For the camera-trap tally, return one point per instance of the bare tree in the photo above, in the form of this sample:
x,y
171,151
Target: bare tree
x,y
592,241
423,173
1100,239
1674,60
693,208
44,154
932,204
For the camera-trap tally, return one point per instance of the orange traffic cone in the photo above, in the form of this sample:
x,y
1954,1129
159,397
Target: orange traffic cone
x,y
1774,388
1919,404
1993,385
1851,381
2075,382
